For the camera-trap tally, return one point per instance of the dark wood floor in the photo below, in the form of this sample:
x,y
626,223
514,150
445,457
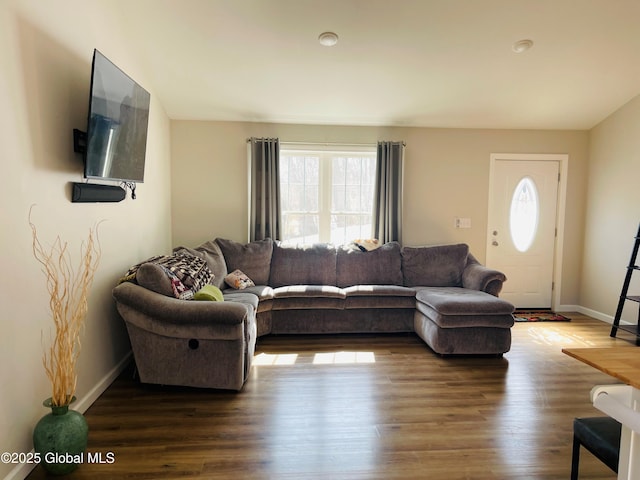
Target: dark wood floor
x,y
362,407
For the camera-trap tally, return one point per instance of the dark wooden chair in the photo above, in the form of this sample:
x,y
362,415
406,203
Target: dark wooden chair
x,y
599,435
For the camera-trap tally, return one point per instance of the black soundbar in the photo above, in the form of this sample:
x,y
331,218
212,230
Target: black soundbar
x,y
94,192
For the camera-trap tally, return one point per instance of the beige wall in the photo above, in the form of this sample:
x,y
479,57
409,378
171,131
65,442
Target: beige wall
x,y
446,176
613,212
45,66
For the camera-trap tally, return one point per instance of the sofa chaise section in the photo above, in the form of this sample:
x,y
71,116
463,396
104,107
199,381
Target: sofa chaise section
x,y
458,311
454,321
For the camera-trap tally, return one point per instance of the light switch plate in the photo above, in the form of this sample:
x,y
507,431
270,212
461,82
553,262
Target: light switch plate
x,y
463,222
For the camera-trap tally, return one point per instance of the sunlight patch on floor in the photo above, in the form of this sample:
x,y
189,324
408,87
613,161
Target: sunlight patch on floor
x,y
275,359
325,358
548,335
343,358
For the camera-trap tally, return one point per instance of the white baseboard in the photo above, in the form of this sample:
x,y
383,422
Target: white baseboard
x,y
566,308
589,312
595,314
93,394
20,472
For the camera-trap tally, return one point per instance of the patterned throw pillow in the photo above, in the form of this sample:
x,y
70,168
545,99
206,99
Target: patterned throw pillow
x,y
212,254
238,280
187,273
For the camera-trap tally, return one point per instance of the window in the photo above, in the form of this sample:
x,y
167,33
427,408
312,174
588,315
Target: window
x,y
326,193
523,215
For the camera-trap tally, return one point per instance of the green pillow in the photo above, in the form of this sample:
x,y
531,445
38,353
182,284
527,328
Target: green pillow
x,y
209,292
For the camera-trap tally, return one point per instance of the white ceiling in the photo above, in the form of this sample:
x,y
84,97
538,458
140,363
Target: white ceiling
x,y
434,63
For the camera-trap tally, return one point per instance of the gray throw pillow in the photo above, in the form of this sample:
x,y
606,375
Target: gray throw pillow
x,y
434,266
254,258
382,266
303,265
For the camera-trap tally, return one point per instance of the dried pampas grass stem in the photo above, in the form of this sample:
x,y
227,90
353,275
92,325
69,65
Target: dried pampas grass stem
x,y
68,291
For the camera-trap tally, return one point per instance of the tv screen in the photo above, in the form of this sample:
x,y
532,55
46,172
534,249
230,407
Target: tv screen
x,y
117,125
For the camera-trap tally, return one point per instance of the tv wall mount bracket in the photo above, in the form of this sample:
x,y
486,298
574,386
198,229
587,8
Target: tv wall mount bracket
x,y
79,141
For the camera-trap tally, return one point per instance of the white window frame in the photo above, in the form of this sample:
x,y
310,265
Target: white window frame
x,y
326,152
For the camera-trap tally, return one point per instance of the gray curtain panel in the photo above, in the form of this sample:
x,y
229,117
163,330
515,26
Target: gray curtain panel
x,y
264,219
387,209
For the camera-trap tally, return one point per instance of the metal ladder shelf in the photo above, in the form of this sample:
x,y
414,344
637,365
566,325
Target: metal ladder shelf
x,y
634,329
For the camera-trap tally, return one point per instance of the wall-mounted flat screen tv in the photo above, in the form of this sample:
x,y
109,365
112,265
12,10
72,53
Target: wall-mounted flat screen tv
x,y
117,125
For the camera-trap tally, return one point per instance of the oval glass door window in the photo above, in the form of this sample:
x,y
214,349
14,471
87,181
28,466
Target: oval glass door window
x,y
524,213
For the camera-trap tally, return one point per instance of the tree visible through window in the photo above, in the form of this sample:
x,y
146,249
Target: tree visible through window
x,y
326,194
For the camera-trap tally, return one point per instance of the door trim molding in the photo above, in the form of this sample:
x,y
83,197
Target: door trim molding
x,y
563,160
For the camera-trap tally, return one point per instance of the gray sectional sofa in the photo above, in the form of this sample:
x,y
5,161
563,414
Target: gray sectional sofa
x,y
442,293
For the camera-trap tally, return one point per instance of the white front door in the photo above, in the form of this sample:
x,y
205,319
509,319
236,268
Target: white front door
x,y
522,228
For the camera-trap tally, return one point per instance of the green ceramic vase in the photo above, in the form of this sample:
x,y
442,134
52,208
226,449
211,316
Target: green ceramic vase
x,y
60,438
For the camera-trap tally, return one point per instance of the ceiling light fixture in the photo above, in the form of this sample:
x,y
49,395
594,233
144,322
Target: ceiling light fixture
x,y
522,46
328,39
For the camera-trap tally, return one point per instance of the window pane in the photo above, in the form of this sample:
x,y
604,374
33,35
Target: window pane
x,y
338,170
337,199
284,170
296,198
358,175
300,228
311,198
346,228
311,229
369,171
353,171
366,226
292,225
523,218
284,197
312,170
299,183
338,229
352,198
353,225
367,198
296,170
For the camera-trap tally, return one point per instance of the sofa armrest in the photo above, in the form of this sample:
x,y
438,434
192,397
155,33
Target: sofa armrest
x,y
476,276
179,318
